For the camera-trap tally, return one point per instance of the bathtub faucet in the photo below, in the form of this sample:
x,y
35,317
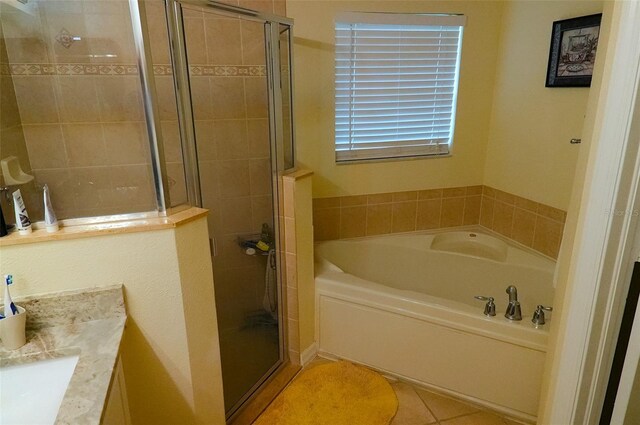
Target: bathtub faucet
x,y
514,312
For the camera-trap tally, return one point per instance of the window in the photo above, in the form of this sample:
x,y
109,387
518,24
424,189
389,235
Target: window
x,y
396,84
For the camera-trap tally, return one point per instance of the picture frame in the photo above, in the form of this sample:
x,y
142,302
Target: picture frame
x,y
572,54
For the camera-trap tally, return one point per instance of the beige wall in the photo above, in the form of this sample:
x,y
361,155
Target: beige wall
x,y
592,125
194,264
314,71
512,133
170,351
529,153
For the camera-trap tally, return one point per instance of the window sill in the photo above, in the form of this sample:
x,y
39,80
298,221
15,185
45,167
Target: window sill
x,y
391,159
103,229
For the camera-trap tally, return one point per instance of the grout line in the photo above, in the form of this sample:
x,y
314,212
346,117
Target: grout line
x,y
366,219
535,232
464,209
427,406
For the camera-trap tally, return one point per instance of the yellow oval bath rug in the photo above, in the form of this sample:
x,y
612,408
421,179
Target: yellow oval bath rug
x,y
339,393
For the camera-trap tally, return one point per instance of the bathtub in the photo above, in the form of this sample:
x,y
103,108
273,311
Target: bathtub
x,y
404,304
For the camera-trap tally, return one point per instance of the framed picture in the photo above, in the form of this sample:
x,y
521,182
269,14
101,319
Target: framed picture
x,y
574,43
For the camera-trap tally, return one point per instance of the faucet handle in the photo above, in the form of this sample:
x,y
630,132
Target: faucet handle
x,y
490,307
538,315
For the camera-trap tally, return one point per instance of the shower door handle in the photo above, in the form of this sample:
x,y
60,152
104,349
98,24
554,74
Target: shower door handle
x,y
213,247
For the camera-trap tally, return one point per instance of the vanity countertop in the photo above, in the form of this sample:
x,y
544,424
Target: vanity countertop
x,y
88,323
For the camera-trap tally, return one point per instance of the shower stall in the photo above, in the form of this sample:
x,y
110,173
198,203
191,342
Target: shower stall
x,y
231,70
231,74
141,108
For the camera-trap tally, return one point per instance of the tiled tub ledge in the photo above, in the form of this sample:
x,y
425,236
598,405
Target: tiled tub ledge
x,y
530,223
88,323
106,228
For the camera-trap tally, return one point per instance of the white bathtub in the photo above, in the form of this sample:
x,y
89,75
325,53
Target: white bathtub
x,y
404,304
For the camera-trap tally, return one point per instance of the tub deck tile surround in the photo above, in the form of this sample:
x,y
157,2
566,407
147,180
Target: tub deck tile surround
x,y
382,213
532,224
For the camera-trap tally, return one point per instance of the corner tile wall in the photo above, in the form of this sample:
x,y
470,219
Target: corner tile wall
x,y
529,223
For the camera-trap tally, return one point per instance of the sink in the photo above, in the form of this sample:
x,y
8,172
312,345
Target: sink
x,y
31,393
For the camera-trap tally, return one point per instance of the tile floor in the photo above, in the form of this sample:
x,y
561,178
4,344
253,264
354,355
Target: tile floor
x,y
417,406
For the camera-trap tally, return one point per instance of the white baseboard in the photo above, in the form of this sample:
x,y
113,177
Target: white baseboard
x,y
309,354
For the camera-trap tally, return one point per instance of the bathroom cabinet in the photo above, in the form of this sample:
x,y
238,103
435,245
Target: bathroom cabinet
x,y
116,410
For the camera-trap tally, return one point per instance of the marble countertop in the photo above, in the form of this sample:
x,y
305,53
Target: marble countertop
x,y
88,323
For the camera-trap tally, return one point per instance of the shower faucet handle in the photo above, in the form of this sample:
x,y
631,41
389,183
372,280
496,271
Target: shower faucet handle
x,y
490,306
538,315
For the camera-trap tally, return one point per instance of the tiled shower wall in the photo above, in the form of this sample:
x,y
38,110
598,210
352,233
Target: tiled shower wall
x,y
12,141
80,104
532,224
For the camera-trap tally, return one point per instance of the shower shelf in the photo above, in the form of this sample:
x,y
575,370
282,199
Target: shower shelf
x,y
242,240
257,253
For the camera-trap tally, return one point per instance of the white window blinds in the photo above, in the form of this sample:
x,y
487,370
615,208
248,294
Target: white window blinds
x,y
396,84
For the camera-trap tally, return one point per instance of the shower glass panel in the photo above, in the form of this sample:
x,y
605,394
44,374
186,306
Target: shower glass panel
x,y
154,15
228,65
71,108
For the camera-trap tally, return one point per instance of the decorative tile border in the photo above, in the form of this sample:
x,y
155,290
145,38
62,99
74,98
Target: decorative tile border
x,y
162,70
535,225
30,69
229,70
70,69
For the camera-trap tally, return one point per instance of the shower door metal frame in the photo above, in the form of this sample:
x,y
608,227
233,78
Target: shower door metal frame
x,y
152,115
178,47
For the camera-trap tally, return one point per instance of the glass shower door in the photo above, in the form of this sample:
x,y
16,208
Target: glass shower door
x,y
226,57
